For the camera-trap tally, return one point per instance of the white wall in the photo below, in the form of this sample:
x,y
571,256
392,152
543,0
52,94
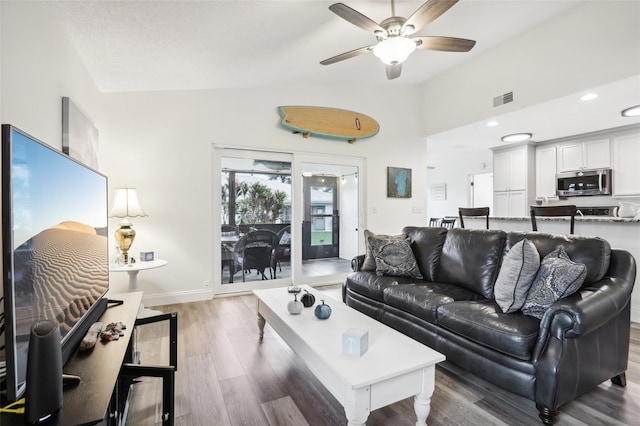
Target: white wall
x,y
39,67
454,169
593,44
161,143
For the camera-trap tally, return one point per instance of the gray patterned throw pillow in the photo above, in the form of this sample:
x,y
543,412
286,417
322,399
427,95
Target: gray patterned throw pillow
x,y
369,263
557,277
516,275
394,257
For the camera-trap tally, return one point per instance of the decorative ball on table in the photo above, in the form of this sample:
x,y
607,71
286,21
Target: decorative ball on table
x,y
323,311
308,299
294,306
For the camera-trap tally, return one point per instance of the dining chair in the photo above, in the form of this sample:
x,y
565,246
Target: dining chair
x,y
434,222
473,211
554,211
448,222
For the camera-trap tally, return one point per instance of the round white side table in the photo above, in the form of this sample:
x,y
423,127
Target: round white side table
x,y
133,269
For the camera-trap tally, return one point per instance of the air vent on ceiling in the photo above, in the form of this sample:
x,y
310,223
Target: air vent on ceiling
x,y
503,99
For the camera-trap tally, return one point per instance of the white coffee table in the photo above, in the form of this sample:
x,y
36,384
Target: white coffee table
x,y
394,368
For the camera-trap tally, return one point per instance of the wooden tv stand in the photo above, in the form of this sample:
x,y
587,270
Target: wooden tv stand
x,y
98,396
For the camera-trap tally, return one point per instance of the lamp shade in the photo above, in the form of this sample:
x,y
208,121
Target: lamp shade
x,y
394,50
125,204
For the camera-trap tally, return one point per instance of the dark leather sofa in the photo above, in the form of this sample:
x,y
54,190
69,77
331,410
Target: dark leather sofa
x,y
580,342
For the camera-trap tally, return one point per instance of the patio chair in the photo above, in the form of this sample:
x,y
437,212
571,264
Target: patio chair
x,y
256,250
283,251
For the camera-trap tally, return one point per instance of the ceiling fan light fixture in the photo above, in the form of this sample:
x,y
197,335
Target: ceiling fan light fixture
x,y
633,111
394,50
517,137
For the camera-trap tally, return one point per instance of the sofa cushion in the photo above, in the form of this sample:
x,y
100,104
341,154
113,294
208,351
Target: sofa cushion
x,y
369,263
394,257
426,244
593,252
371,285
558,277
470,258
484,323
516,275
423,299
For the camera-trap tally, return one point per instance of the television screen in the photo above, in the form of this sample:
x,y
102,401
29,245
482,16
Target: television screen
x,y
55,246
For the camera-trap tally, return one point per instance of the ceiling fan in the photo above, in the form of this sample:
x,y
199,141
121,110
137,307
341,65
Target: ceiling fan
x,y
394,42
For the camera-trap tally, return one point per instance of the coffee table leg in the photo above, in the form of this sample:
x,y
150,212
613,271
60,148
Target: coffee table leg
x,y
422,407
357,409
422,401
261,323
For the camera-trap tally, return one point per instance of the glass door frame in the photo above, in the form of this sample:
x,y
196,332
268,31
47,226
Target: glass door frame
x,y
297,215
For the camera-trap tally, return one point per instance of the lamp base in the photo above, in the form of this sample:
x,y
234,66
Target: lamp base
x,y
125,235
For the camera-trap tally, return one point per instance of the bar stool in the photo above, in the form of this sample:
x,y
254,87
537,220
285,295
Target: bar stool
x,y
448,222
473,211
553,211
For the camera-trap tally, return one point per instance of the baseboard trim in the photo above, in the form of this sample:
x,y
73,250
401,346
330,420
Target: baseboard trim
x,y
635,315
177,297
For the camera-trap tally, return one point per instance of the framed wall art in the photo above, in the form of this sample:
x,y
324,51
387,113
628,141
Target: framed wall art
x,y
398,182
79,135
439,191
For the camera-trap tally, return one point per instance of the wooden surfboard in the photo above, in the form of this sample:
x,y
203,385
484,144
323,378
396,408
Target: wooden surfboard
x,y
332,123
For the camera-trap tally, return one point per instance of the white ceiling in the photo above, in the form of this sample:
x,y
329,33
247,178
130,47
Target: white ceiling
x,y
157,45
192,45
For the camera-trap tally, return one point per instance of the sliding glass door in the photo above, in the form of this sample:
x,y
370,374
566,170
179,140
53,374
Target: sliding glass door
x,y
283,219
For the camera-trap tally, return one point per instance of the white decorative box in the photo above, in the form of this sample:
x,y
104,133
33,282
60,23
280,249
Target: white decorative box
x,y
355,342
146,256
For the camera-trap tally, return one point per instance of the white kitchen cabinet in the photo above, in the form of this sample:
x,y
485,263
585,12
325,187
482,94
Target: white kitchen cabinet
x,y
510,204
513,180
626,165
592,154
509,170
546,171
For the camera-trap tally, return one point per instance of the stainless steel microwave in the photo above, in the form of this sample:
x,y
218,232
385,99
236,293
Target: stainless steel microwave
x,y
584,182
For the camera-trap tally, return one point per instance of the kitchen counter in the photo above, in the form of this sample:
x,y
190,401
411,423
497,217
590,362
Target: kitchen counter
x,y
578,219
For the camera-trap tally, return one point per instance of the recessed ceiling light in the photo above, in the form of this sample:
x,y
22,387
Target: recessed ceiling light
x,y
633,111
517,137
588,96
492,124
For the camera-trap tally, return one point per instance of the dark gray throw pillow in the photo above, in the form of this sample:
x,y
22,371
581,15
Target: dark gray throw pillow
x,y
394,257
369,263
557,277
518,270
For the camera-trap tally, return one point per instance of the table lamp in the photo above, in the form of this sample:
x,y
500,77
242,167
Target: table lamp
x,y
125,205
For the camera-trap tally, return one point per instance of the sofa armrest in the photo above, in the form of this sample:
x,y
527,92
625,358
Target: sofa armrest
x,y
592,306
584,338
356,262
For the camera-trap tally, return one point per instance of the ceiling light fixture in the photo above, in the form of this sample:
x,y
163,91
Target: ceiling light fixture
x,y
394,50
589,97
492,124
517,137
633,111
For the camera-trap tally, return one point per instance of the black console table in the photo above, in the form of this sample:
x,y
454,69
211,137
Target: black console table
x,y
102,370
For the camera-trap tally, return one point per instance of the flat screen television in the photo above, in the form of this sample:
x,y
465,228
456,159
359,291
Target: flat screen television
x,y
54,246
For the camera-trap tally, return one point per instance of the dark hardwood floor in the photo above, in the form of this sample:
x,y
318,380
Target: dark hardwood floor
x,y
227,377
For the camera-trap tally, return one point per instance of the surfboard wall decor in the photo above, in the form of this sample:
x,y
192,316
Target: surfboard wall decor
x,y
332,123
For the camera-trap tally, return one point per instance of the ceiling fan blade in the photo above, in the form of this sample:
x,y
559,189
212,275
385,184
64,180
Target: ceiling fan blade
x,y
356,18
427,13
393,71
444,44
347,55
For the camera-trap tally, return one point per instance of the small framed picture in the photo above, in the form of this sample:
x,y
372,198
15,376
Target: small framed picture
x,y
398,182
439,191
